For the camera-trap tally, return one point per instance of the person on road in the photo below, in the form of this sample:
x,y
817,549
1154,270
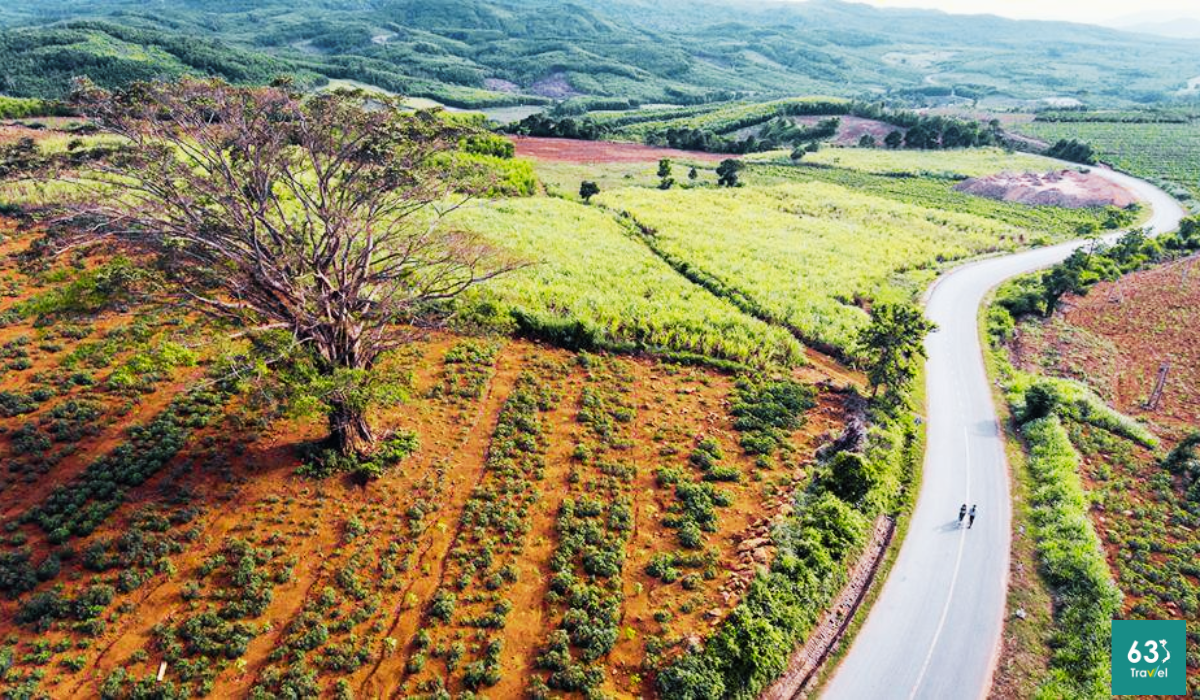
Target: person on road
x,y
962,513
972,520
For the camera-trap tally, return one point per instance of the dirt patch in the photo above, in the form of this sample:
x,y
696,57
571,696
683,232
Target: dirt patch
x,y
1066,188
556,86
499,85
575,151
852,129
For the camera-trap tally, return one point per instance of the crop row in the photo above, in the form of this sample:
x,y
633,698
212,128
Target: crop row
x,y
594,524
77,508
470,610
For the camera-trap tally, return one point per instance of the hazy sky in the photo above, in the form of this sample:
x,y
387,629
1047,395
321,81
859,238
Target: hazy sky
x,y
1089,11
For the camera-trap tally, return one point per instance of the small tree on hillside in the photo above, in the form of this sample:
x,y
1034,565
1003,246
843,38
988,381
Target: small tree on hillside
x,y
894,139
867,141
587,190
318,217
693,174
892,346
1069,276
852,476
666,182
727,172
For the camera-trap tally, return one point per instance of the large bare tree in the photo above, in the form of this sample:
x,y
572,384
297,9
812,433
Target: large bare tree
x,y
320,215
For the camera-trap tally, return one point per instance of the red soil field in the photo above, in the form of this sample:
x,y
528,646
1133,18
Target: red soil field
x,y
359,564
1117,337
575,151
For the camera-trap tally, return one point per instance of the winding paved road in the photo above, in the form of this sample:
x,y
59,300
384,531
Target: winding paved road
x,y
935,630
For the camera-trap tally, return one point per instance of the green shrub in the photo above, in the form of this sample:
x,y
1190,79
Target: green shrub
x,y
852,476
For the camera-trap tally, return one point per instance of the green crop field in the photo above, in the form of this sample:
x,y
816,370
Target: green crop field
x,y
801,247
808,253
587,267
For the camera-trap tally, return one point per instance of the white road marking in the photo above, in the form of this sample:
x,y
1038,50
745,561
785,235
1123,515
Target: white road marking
x,y
962,539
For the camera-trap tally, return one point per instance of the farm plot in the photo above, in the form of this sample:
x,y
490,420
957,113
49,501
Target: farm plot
x,y
153,517
808,256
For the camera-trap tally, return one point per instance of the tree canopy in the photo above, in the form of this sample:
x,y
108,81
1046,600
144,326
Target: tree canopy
x,y
318,217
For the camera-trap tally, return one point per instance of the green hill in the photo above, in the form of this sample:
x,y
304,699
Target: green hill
x,y
497,52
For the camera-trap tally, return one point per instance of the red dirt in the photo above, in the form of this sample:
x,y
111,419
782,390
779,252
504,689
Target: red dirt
x,y
1068,188
1118,336
575,151
241,474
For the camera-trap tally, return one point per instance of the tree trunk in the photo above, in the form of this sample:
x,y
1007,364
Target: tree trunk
x,y
349,431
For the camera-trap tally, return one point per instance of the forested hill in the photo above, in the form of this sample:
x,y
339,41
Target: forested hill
x,y
492,52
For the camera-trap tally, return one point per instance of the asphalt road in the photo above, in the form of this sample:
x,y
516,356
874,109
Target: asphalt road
x,y
934,631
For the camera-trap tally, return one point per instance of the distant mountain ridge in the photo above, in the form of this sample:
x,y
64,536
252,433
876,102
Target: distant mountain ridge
x,y
1176,28
496,52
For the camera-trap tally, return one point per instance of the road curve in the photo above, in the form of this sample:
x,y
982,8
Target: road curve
x,y
935,630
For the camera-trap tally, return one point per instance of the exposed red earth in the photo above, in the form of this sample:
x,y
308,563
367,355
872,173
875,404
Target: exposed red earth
x,y
1066,188
575,151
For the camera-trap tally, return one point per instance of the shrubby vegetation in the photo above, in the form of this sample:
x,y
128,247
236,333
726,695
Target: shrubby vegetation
x,y
24,108
1040,294
1072,150
1073,564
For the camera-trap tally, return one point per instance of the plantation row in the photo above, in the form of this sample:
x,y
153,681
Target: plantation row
x,y
468,613
593,526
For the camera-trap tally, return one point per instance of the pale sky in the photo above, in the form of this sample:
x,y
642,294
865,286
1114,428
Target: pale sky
x,y
1087,11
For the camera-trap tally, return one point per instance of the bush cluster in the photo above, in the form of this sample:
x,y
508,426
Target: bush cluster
x,y
767,409
79,507
468,365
